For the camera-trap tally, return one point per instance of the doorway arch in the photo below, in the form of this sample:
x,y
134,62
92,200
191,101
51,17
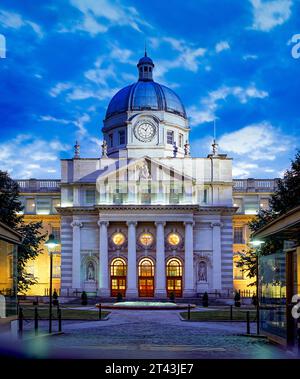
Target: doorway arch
x,y
118,272
174,277
146,278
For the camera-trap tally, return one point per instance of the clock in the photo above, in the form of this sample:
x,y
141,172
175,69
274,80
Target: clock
x,y
145,131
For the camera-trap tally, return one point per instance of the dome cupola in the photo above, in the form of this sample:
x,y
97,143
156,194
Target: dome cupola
x,y
145,67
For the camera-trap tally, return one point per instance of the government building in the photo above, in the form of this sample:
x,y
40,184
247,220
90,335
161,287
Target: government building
x,y
144,219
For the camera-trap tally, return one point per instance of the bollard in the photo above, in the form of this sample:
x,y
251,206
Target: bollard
x,y
248,322
21,317
99,311
189,312
231,312
59,319
36,321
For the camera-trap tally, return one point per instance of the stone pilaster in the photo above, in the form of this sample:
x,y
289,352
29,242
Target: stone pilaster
x,y
160,285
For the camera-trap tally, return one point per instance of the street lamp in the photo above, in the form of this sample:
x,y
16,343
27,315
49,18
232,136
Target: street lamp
x,y
256,244
51,244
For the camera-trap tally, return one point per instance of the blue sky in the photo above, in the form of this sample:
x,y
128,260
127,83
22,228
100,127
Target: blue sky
x,y
228,60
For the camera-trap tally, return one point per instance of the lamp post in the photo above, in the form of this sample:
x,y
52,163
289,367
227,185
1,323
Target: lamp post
x,y
256,244
51,245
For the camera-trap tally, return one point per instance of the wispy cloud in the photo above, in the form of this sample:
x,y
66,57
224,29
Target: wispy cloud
x,y
42,156
97,16
257,142
221,46
16,21
206,111
269,14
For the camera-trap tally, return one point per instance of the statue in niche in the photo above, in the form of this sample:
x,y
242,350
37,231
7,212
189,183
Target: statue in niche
x,y
90,272
202,271
144,171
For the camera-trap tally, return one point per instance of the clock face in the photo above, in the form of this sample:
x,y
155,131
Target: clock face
x,y
145,131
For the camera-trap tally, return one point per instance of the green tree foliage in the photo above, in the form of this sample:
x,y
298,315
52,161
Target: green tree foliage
x,y
286,197
30,248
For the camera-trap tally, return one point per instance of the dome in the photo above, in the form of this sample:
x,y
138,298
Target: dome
x,y
145,94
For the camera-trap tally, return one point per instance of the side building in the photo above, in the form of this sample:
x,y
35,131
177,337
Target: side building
x,y
40,199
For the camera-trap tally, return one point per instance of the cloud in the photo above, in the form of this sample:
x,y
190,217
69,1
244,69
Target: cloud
x,y
243,169
206,112
257,142
269,14
79,123
15,21
221,46
42,156
99,15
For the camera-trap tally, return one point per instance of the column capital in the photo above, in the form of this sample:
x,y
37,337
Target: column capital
x,y
104,223
76,224
189,223
157,223
217,223
134,223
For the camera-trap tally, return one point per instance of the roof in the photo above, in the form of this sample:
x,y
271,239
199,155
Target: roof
x,y
287,226
9,235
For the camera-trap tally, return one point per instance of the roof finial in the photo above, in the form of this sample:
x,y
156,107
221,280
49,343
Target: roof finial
x,y
145,48
76,150
214,144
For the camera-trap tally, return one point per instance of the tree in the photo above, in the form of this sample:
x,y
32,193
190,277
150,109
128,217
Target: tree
x,y
285,198
30,248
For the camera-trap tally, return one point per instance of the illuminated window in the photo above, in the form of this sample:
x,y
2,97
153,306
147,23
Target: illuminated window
x,y
118,267
146,267
118,238
264,204
146,239
174,267
55,203
237,271
174,239
238,235
30,206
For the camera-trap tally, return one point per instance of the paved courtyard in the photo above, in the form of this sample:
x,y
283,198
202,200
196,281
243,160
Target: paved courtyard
x,y
153,335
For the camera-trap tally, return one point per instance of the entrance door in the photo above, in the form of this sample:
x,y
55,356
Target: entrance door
x,y
146,278
118,270
174,277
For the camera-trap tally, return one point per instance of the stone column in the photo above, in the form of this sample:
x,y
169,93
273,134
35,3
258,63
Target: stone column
x,y
103,258
76,282
217,257
76,196
188,289
131,272
160,271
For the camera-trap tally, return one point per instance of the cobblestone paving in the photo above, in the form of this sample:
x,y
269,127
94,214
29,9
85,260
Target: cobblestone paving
x,y
158,334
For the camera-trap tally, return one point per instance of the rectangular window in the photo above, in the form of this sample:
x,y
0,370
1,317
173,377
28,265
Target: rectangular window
x,y
170,137
205,196
238,236
251,205
180,140
90,196
122,137
43,205
30,205
110,140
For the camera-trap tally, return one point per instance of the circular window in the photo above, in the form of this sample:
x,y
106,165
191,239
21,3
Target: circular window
x,y
146,239
118,238
174,239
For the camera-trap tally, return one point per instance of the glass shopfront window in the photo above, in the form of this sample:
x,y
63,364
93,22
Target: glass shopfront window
x,y
272,277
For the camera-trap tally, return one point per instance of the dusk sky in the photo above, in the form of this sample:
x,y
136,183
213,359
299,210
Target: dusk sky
x,y
227,60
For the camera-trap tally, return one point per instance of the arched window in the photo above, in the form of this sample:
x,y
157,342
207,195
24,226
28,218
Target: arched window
x,y
118,267
146,267
174,267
